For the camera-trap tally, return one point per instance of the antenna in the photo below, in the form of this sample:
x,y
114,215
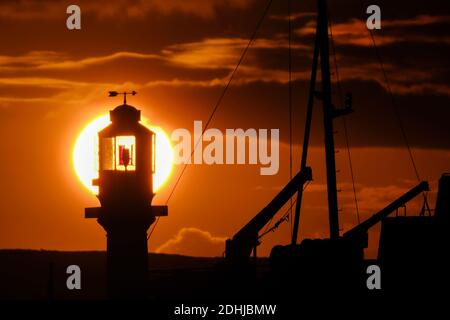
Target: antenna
x,y
115,93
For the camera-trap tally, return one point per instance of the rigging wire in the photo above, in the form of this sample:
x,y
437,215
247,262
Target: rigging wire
x,y
397,116
283,217
219,101
269,224
290,103
394,106
280,221
224,91
153,228
350,163
341,94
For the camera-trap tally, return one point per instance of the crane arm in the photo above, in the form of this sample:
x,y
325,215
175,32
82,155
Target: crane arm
x,y
242,243
364,226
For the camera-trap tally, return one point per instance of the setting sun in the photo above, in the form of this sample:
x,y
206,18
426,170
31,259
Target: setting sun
x,y
85,160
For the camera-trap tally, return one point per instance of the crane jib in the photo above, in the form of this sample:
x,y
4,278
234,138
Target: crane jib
x,y
377,217
263,217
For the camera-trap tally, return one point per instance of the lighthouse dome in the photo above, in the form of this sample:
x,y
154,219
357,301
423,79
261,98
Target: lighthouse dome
x,y
125,113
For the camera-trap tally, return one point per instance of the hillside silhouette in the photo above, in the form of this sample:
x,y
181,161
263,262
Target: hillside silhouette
x,y
27,274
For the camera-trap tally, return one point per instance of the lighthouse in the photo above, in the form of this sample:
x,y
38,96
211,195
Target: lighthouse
x,y
126,158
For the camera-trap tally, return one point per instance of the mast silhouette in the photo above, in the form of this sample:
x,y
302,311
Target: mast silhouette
x,y
321,49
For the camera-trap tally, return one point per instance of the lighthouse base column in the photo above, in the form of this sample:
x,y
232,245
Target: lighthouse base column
x,y
127,262
126,243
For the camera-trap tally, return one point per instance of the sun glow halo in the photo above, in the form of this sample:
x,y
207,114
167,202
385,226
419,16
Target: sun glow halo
x,y
85,160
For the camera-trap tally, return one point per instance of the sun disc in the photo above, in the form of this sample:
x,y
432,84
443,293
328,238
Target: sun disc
x,y
85,160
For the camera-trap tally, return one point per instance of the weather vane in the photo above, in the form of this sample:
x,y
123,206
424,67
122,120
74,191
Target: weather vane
x,y
115,93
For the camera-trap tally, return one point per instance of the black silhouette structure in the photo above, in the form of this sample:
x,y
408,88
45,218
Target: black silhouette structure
x,y
126,165
411,247
413,250
248,236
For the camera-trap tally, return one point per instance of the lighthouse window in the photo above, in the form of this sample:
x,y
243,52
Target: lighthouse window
x,y
125,153
154,153
107,154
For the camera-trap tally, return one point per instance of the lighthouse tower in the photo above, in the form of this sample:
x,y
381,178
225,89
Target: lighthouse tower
x,y
126,157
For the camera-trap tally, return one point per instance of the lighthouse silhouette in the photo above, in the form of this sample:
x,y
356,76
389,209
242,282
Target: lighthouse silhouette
x,y
126,157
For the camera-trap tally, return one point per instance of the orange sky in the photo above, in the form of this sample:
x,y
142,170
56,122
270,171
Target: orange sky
x,y
178,57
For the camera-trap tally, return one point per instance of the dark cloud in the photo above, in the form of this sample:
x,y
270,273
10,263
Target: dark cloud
x,y
181,59
119,9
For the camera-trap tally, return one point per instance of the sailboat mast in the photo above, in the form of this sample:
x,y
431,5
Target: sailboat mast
x,y
321,48
306,137
328,115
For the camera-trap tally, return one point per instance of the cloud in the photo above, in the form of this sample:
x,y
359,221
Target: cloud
x,y
208,62
45,82
420,20
51,60
66,91
207,54
294,16
186,83
223,53
421,89
354,31
98,60
202,8
118,9
403,81
30,59
194,242
219,53
196,58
